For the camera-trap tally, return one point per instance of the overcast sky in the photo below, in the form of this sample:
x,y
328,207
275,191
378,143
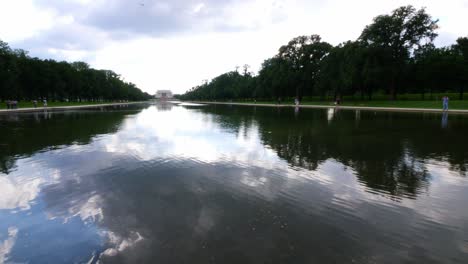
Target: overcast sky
x,y
176,44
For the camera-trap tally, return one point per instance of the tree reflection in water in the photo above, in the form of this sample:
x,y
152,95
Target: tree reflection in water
x,y
385,149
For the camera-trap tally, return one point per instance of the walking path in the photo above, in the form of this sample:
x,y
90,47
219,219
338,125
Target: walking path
x,y
368,108
32,109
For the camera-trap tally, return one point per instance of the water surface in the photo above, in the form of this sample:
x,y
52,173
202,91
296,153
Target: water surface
x,y
225,184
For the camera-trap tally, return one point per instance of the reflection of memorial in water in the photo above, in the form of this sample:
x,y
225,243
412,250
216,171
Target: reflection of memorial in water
x,y
331,114
164,106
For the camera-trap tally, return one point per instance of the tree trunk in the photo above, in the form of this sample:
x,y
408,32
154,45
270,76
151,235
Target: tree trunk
x,y
297,92
392,88
392,91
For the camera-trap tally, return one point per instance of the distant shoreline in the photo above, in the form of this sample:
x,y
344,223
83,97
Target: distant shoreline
x,y
65,107
365,108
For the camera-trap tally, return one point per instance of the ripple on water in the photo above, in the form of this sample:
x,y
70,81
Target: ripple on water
x,y
237,185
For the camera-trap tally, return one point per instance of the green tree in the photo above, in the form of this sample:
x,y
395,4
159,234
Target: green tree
x,y
341,71
8,72
302,57
399,34
461,51
26,78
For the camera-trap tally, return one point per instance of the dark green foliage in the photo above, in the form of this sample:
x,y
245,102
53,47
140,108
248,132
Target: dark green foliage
x,y
26,78
394,55
226,86
395,36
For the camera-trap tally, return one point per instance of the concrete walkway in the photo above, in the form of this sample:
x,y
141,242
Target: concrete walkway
x,y
70,107
365,108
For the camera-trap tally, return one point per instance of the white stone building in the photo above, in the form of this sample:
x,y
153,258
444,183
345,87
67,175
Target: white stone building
x,y
164,94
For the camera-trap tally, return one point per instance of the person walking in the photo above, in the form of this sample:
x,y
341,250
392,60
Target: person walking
x,y
35,103
45,102
296,101
445,103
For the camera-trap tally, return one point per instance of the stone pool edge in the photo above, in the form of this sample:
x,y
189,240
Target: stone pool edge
x,y
365,108
70,107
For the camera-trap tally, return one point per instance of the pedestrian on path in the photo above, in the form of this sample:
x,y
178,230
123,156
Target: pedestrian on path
x,y
445,103
45,102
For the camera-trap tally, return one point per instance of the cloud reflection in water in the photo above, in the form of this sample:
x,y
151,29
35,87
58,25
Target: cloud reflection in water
x,y
186,185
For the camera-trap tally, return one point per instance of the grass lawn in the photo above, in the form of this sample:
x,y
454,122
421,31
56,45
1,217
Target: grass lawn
x,y
52,104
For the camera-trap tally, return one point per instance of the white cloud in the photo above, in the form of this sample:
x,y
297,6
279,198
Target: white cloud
x,y
198,7
120,244
186,139
20,20
89,211
7,244
17,194
20,188
177,44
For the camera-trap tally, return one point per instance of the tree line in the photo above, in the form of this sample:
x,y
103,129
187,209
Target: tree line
x,y
395,54
26,78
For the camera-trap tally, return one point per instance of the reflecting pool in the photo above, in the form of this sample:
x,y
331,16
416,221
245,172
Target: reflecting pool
x,y
191,183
